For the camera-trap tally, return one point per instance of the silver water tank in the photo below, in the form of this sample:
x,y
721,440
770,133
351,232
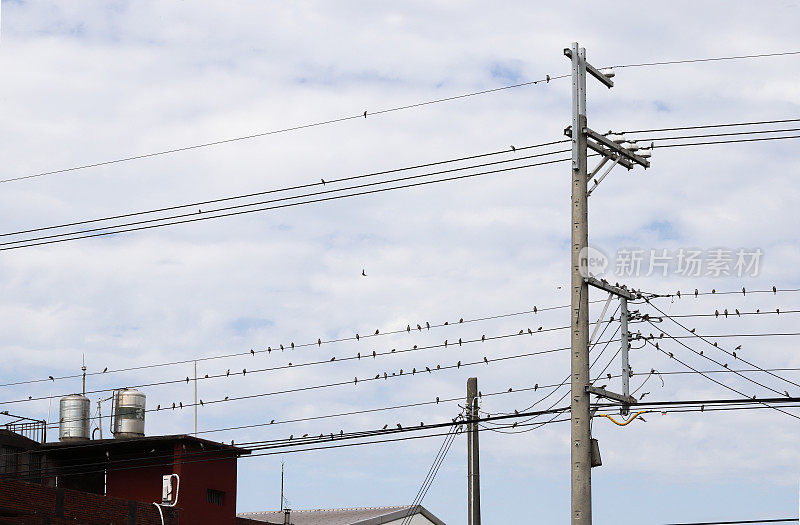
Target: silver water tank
x,y
74,418
129,406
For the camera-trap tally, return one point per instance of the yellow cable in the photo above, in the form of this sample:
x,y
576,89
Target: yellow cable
x,y
637,414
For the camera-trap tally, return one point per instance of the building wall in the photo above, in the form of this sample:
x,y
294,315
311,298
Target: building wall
x,y
34,504
141,481
201,471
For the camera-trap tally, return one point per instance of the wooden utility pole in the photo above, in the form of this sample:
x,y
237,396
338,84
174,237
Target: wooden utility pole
x,y
473,470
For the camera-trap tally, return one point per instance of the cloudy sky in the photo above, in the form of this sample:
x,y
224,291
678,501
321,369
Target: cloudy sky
x,y
86,82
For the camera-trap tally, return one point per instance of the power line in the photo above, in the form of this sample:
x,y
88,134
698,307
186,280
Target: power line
x,y
712,59
327,361
322,182
707,126
707,135
282,130
422,371
258,203
280,206
292,346
671,356
735,141
547,79
704,339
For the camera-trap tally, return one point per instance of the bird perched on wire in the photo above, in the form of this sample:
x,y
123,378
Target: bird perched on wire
x,y
105,370
513,148
485,360
774,290
363,273
365,114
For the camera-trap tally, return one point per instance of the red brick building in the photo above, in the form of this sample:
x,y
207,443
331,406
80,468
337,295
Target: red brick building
x,y
123,470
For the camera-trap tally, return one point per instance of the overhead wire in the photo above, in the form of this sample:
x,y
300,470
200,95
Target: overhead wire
x,y
547,79
292,346
704,339
203,216
671,356
322,182
327,361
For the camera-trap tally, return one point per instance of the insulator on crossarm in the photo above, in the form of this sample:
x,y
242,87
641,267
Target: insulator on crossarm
x,y
608,72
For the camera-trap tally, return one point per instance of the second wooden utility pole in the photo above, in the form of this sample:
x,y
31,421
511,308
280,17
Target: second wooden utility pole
x,y
473,470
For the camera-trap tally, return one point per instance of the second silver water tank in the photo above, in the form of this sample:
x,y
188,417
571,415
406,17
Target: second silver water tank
x,y
129,407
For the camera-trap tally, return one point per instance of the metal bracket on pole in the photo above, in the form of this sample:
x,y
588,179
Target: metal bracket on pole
x,y
597,168
596,73
616,148
603,176
610,288
624,347
602,392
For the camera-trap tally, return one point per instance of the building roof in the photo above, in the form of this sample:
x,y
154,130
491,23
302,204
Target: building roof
x,y
354,516
130,444
12,439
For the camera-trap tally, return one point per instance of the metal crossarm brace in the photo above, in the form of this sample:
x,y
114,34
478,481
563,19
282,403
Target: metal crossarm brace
x,y
610,288
593,71
602,392
616,148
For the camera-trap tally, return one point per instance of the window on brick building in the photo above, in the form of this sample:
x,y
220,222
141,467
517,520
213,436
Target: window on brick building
x,y
217,497
11,460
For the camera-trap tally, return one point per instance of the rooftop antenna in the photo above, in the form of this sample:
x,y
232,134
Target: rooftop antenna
x,y
83,377
281,484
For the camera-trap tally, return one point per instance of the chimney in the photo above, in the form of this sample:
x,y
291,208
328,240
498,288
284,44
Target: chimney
x,y
286,516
